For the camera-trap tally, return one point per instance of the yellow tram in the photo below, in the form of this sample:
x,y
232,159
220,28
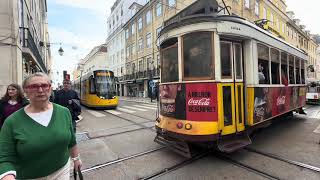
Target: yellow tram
x,y
96,89
221,77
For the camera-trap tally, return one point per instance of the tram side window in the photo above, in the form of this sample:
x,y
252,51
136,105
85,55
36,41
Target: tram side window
x,y
303,75
92,85
291,69
263,64
197,55
284,68
297,66
275,66
169,61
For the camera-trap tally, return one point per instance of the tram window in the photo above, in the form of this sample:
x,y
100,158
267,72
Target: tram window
x,y
169,61
226,66
284,68
297,66
291,69
275,66
197,55
263,64
238,60
303,75
92,86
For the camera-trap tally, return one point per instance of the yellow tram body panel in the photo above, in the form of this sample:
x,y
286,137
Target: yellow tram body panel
x,y
197,127
92,100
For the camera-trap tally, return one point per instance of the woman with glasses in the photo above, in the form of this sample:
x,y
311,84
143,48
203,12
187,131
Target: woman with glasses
x,y
37,140
12,101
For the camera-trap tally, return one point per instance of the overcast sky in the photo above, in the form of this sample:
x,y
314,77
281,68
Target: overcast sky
x,y
79,25
306,11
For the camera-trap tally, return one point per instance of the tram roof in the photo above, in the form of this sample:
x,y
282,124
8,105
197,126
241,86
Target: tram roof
x,y
207,11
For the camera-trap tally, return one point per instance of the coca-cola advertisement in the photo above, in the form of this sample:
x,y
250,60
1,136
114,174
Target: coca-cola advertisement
x,y
201,102
273,101
173,100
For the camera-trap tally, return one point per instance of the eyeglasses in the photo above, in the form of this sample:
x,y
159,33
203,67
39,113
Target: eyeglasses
x,y
35,87
66,82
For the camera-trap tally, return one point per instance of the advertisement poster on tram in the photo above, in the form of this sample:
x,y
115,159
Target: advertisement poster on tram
x,y
269,102
173,100
201,102
194,102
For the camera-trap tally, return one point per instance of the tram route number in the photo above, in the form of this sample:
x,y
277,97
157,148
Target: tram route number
x,y
201,109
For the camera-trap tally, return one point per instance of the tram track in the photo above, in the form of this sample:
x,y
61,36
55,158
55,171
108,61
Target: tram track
x,y
99,166
227,158
292,162
177,166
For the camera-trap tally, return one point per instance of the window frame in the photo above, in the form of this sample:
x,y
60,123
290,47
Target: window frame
x,y
184,78
175,45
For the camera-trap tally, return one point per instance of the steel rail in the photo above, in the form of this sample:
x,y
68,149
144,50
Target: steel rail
x,y
244,166
300,164
99,166
175,167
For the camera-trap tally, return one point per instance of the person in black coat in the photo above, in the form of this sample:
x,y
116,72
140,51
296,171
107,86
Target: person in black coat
x,y
69,98
12,101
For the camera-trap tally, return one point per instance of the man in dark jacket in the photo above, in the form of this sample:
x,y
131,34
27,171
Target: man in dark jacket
x,y
68,98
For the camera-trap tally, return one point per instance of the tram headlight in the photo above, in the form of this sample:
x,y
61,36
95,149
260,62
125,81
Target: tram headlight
x,y
101,97
188,126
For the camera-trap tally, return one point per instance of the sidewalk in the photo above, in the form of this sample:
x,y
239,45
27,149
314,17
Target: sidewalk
x,y
137,99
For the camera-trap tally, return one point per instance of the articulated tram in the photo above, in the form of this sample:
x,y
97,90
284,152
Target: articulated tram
x,y
96,89
221,77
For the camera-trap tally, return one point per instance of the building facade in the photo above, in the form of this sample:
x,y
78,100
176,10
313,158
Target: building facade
x,y
24,40
142,59
135,55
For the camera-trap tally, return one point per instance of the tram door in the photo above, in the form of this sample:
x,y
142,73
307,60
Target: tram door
x,y
231,91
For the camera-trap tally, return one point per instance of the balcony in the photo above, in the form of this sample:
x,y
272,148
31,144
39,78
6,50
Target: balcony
x,y
27,41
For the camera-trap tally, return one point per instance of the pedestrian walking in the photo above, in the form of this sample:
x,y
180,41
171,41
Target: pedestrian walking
x,y
38,140
69,98
12,101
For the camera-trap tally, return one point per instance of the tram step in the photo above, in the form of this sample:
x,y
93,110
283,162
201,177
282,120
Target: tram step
x,y
232,144
179,147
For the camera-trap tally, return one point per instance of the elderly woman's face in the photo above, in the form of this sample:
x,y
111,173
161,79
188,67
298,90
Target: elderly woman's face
x,y
38,89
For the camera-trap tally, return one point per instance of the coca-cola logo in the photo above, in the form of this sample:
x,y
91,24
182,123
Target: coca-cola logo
x,y
199,102
281,100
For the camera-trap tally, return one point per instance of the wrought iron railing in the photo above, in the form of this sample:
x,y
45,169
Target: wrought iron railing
x,y
27,41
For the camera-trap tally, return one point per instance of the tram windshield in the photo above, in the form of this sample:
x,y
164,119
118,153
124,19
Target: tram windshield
x,y
105,86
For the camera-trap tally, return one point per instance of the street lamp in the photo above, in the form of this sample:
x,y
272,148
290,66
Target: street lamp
x,y
60,51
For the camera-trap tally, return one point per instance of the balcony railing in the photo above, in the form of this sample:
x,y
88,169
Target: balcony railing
x,y
27,41
154,73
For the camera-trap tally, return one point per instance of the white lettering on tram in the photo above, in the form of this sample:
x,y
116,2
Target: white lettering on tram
x,y
199,102
281,100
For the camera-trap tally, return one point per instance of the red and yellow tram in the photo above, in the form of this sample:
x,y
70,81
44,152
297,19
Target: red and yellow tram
x,y
222,76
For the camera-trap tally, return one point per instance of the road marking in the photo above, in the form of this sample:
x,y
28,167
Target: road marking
x,y
317,130
150,105
113,112
95,113
140,106
125,110
138,109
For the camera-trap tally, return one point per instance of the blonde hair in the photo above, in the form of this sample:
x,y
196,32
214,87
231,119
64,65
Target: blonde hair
x,y
37,74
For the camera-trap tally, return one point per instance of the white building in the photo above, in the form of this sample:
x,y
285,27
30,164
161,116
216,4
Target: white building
x,y
95,60
24,40
121,12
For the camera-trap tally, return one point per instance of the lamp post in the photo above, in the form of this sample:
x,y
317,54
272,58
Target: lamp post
x,y
80,67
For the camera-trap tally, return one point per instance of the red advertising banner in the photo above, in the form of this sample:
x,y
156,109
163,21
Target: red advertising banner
x,y
201,102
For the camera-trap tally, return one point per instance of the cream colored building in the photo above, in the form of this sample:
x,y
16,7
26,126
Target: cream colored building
x,y
95,60
24,40
141,32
